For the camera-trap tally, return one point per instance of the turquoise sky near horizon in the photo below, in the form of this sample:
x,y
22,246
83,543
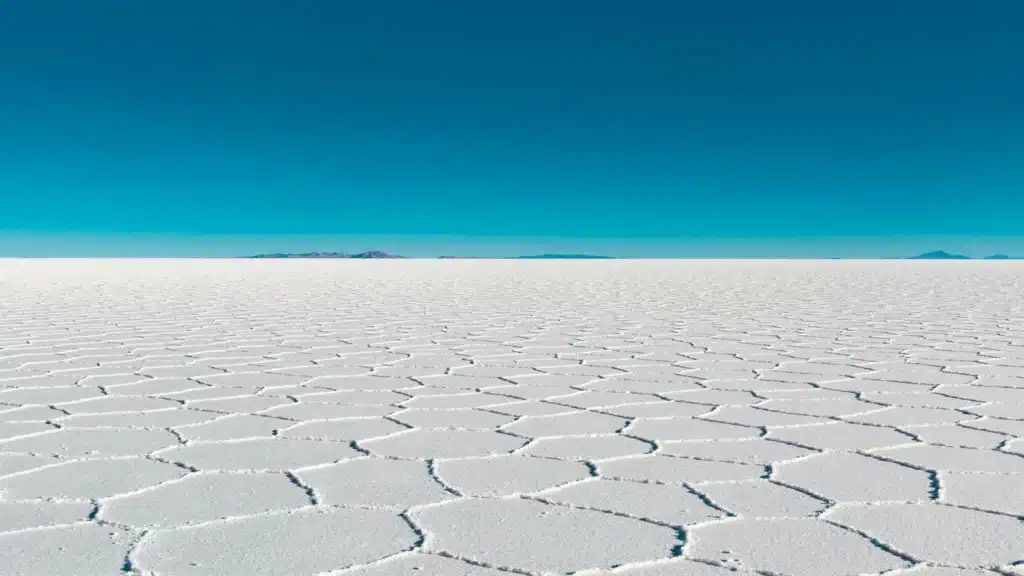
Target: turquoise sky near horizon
x,y
655,128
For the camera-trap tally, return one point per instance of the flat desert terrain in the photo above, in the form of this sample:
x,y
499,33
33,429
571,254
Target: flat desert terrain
x,y
488,418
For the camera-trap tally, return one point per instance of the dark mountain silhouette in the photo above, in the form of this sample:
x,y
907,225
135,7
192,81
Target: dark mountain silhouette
x,y
375,254
939,255
564,257
379,254
942,255
531,257
360,255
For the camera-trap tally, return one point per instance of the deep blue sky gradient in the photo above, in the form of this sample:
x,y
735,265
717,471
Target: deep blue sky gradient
x,y
600,121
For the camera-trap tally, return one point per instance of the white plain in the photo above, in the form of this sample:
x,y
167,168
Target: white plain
x,y
447,418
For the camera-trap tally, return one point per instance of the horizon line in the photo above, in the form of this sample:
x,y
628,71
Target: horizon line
x,y
77,245
936,255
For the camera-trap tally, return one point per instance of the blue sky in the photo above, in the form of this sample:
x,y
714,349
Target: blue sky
x,y
661,127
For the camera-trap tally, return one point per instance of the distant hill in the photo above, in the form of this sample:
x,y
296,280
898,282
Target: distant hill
x,y
942,255
375,254
324,255
564,257
939,255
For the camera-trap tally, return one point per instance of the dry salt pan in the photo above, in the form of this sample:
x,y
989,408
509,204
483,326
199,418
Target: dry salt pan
x,y
637,418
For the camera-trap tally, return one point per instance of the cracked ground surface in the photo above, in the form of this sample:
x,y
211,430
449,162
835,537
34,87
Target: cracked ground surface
x,y
483,418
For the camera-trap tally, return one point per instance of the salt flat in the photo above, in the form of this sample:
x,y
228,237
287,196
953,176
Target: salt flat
x,y
447,418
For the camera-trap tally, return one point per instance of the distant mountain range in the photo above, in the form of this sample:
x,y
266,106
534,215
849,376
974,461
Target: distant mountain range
x,y
378,254
534,257
362,255
939,255
564,257
943,255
